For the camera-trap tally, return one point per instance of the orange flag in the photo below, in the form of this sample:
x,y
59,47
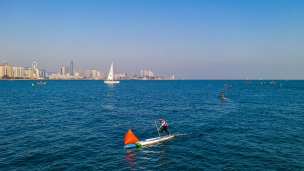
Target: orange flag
x,y
130,137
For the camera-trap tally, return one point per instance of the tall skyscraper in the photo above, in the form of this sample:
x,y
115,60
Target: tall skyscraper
x,y
35,69
71,68
66,70
63,70
42,73
34,65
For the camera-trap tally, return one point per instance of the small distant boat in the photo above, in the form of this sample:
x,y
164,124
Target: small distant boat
x,y
272,82
225,85
41,83
247,82
110,79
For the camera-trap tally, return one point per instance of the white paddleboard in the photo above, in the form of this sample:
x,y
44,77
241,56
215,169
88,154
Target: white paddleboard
x,y
148,141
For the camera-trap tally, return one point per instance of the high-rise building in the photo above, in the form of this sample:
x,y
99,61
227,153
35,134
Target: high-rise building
x,y
8,70
30,73
94,73
63,70
36,73
20,72
66,70
35,69
150,74
15,71
34,65
71,68
42,73
145,73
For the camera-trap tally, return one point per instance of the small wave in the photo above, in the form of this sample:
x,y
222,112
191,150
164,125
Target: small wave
x,y
182,134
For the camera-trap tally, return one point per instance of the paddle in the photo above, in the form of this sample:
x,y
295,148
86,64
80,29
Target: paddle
x,y
157,128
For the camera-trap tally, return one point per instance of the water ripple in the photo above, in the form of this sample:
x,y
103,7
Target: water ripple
x,y
80,125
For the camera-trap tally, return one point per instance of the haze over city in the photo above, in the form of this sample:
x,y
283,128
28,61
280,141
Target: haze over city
x,y
190,39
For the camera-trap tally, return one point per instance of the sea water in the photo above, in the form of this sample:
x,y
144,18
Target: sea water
x,y
80,125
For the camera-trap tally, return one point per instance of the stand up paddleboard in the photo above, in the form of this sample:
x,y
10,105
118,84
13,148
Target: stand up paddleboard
x,y
131,140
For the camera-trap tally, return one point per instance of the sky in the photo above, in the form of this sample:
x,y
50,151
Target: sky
x,y
191,39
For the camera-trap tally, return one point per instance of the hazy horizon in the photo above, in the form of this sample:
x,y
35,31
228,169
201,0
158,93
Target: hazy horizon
x,y
221,39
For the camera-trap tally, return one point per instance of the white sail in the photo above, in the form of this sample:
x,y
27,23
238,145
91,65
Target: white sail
x,y
110,79
110,76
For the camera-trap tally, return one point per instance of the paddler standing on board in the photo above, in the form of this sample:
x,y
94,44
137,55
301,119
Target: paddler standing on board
x,y
163,127
223,94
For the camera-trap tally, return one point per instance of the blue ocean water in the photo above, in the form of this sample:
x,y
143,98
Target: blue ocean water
x,y
80,125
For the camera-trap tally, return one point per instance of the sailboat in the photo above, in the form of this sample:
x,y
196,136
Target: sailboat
x,y
110,79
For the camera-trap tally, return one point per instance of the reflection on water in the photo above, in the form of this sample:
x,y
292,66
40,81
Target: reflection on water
x,y
130,158
110,85
164,158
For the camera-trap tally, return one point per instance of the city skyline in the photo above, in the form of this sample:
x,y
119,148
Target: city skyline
x,y
8,71
190,39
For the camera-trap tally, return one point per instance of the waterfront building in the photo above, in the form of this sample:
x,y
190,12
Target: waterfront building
x,y
146,73
83,73
76,74
1,71
34,65
20,72
36,73
55,76
119,76
35,68
42,73
94,73
15,71
150,74
30,73
71,68
8,70
66,70
129,74
63,70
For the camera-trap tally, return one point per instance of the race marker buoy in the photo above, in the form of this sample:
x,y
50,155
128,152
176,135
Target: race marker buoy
x,y
130,137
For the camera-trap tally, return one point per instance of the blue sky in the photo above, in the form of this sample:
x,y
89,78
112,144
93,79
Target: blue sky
x,y
193,39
